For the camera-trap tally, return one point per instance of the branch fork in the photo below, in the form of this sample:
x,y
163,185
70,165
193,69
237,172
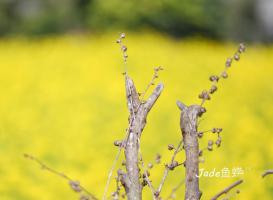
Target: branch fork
x,y
138,114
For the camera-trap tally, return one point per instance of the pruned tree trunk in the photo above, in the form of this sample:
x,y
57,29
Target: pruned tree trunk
x,y
138,114
188,124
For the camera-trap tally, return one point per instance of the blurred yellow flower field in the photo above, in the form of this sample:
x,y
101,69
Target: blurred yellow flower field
x,y
63,100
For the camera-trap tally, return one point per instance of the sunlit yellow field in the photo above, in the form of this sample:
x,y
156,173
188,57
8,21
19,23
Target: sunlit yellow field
x,y
63,100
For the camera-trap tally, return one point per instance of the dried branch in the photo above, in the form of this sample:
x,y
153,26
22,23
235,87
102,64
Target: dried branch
x,y
138,112
155,76
189,127
123,49
167,168
75,185
134,108
206,94
149,103
153,97
188,124
267,172
227,189
134,104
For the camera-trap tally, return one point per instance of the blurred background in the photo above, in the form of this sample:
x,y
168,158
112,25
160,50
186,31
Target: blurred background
x,y
250,20
63,96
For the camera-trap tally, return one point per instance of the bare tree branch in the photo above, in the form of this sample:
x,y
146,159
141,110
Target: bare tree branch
x,y
267,172
227,189
133,101
153,97
188,124
75,185
133,109
167,169
138,112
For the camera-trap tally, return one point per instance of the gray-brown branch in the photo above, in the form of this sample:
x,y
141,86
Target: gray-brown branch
x,y
188,124
167,169
75,185
267,172
227,189
138,114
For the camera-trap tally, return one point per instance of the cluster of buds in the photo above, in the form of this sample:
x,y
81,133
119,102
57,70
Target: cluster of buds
x,y
157,158
228,62
210,145
119,180
237,54
171,147
224,75
241,49
145,178
213,89
155,76
173,165
152,82
218,141
205,95
150,165
214,78
118,143
216,130
75,185
202,111
122,46
213,130
200,134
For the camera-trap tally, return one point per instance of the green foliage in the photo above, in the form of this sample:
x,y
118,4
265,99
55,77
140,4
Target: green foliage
x,y
211,18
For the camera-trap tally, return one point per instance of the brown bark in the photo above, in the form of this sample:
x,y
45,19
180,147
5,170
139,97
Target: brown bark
x,y
138,114
188,124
